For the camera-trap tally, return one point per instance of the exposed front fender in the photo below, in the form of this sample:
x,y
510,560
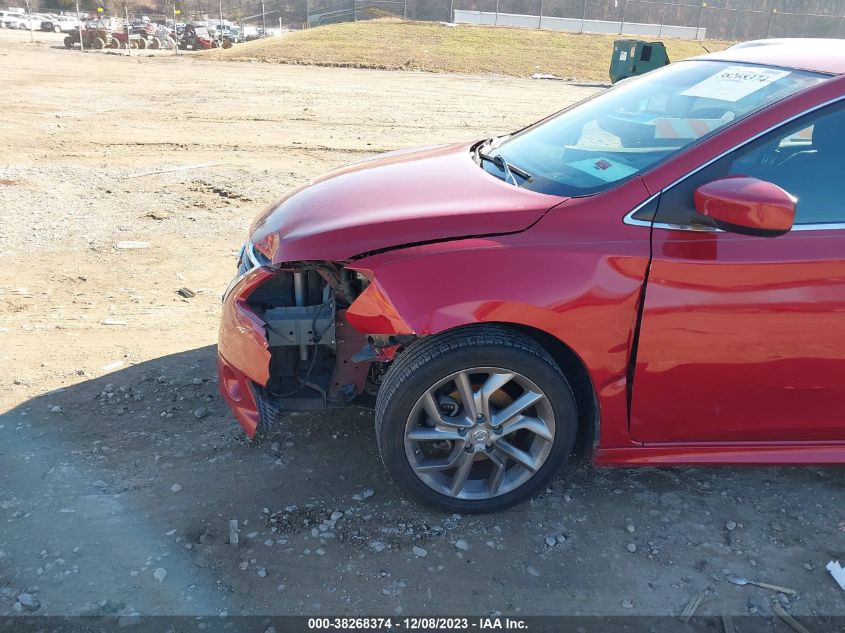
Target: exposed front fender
x,y
581,295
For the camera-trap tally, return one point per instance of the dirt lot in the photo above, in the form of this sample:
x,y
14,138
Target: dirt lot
x,y
118,459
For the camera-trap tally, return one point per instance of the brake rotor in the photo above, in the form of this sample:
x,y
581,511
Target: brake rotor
x,y
500,399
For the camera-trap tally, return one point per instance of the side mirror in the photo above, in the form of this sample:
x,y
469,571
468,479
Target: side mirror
x,y
740,204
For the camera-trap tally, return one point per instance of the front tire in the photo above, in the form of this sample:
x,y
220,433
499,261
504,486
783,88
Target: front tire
x,y
475,419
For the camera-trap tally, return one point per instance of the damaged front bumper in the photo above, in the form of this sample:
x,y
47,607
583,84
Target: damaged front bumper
x,y
285,343
243,354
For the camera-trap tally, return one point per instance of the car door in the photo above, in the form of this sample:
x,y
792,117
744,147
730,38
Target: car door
x,y
742,338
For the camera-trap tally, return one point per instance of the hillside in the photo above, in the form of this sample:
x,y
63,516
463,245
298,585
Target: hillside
x,y
436,47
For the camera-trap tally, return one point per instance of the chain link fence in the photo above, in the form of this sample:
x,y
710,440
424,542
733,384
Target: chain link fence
x,y
329,11
732,20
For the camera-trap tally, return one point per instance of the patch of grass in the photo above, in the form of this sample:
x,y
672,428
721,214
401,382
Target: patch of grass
x,y
435,47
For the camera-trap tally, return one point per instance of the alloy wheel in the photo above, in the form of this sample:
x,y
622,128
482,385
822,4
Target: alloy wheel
x,y
479,433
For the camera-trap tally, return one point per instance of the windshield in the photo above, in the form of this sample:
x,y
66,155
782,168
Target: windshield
x,y
624,131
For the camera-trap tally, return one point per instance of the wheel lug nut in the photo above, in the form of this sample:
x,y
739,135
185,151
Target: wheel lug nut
x,y
480,417
462,432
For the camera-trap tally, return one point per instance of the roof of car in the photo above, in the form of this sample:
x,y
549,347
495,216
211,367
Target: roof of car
x,y
818,55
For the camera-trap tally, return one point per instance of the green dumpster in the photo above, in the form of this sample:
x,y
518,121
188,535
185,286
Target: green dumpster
x,y
636,57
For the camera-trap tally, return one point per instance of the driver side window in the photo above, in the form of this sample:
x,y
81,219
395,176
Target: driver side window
x,y
804,157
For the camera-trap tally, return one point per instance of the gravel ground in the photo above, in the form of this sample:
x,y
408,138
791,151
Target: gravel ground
x,y
120,467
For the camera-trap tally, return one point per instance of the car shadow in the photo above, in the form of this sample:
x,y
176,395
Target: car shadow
x,y
145,468
148,459
169,407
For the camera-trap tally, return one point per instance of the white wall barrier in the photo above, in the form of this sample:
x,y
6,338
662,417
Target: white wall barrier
x,y
490,18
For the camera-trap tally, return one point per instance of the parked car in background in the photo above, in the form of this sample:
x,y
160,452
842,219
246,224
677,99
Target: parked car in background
x,y
249,33
38,19
60,24
228,35
30,22
656,275
12,20
4,15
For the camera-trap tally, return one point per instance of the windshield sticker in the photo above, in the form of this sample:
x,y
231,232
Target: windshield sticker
x,y
734,83
603,168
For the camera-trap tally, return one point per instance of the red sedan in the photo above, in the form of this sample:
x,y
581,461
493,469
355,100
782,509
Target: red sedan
x,y
655,275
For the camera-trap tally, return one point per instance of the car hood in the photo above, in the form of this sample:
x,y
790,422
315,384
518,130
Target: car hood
x,y
391,200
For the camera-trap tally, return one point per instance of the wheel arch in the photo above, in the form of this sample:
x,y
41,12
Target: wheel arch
x,y
433,357
579,379
576,373
587,333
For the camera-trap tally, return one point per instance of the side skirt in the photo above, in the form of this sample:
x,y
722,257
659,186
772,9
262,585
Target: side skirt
x,y
746,453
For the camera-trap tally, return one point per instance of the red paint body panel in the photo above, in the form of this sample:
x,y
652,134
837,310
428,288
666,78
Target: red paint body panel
x,y
242,339
742,338
577,275
741,346
748,453
374,313
401,198
243,356
746,202
235,388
